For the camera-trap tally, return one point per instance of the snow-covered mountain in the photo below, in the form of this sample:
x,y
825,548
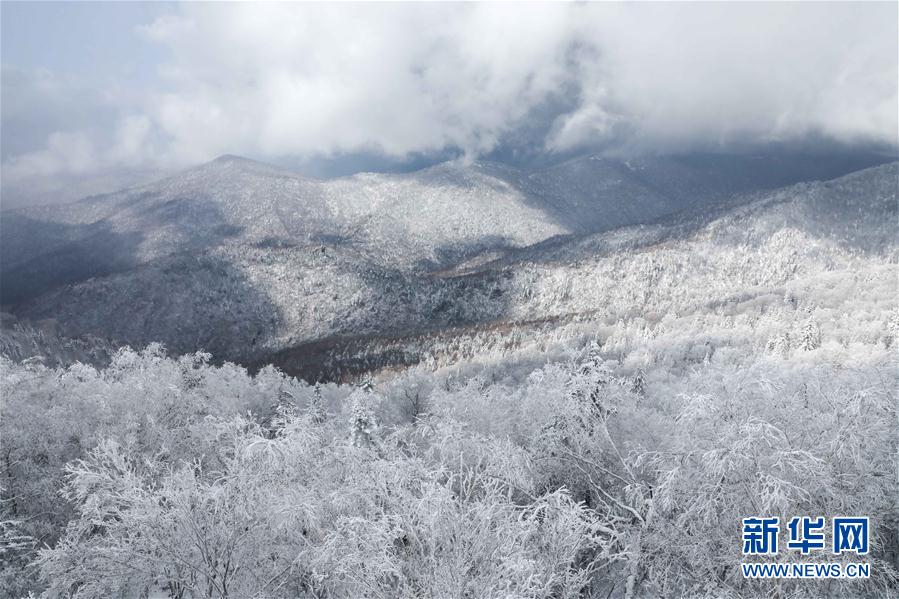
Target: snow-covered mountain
x,y
399,221
424,221
244,259
811,252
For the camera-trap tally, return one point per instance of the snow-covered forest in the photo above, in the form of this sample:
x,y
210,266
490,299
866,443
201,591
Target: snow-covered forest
x,y
449,300
620,468
591,417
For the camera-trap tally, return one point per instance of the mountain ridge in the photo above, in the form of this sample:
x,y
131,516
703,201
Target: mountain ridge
x,y
253,302
425,221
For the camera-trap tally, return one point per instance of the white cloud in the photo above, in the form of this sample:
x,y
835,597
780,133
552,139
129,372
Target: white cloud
x,y
308,79
314,79
716,74
66,152
77,153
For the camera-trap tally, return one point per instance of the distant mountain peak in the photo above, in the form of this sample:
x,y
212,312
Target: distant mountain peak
x,y
232,162
231,158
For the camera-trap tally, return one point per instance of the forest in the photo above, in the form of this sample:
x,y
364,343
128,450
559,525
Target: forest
x,y
588,418
613,462
449,300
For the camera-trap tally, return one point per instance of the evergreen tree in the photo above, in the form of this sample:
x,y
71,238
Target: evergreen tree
x,y
316,406
810,336
362,420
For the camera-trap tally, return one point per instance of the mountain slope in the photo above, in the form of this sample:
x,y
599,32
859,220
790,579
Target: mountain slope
x,y
246,302
424,221
795,264
399,221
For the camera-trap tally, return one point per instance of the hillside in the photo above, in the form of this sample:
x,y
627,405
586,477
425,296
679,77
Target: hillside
x,y
606,392
424,221
398,221
813,252
247,301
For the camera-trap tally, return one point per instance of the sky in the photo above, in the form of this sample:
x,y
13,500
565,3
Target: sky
x,y
97,94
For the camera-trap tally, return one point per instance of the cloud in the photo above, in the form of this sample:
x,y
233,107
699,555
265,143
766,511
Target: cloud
x,y
317,80
72,165
54,126
715,75
313,79
62,140
77,152
37,103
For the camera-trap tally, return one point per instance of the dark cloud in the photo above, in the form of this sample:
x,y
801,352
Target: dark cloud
x,y
334,88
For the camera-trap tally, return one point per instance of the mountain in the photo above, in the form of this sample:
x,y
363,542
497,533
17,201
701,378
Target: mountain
x,y
399,221
246,260
811,252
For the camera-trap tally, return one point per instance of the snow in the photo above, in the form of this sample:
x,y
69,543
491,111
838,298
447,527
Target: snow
x,y
546,411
